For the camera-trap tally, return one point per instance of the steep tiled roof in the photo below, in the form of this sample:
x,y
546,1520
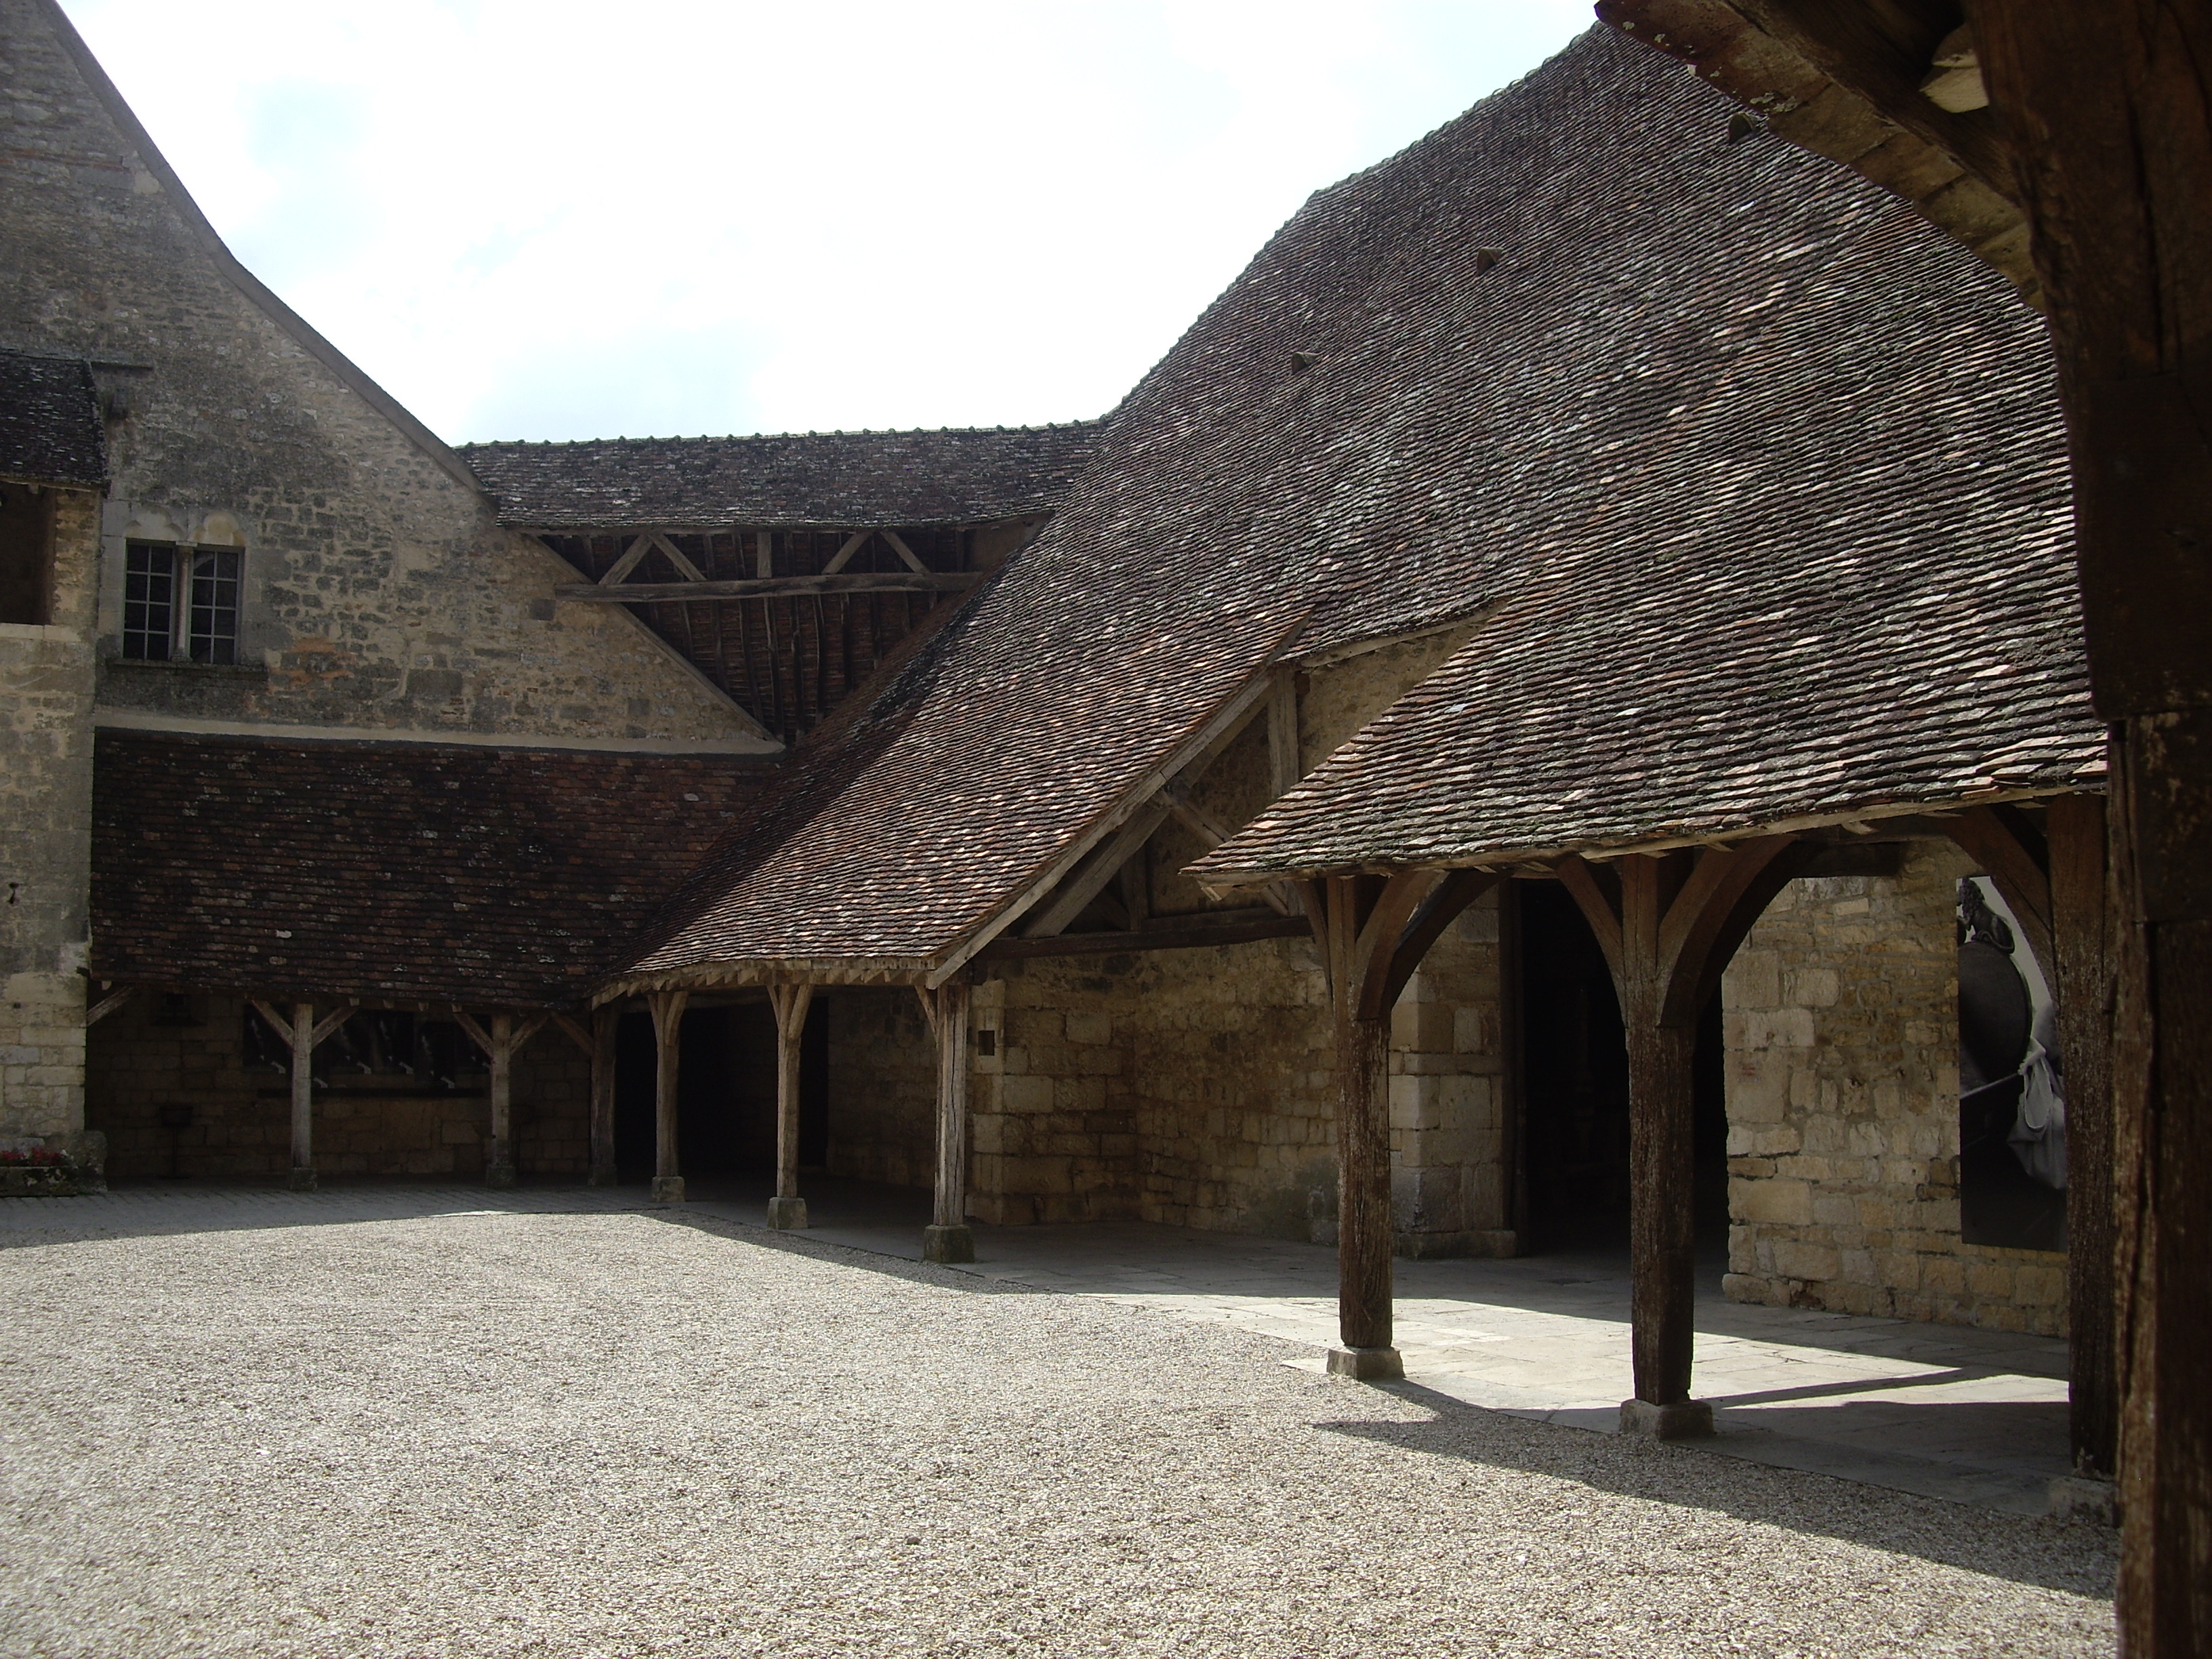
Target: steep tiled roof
x,y
401,872
1818,568
840,478
49,429
1575,355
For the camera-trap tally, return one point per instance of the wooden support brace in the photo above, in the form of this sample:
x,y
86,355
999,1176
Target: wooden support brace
x,y
843,555
107,1005
907,555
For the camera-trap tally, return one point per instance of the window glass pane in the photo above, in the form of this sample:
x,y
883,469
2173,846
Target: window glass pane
x,y
214,631
149,598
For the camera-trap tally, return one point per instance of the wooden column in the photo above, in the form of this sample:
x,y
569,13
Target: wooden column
x,y
2075,827
301,1177
948,1237
1372,932
602,1051
1668,923
2055,880
2107,116
304,1036
787,1208
500,1041
667,1008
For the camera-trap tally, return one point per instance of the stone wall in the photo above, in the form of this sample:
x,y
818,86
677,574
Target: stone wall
x,y
883,1087
1842,1090
172,1082
45,839
1196,1087
378,595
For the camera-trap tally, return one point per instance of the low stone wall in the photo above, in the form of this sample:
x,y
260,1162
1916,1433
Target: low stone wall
x,y
171,1083
1843,1080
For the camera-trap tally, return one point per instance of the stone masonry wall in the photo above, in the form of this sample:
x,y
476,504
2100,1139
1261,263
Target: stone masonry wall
x,y
883,1088
378,592
1843,1090
171,1084
1196,1087
45,840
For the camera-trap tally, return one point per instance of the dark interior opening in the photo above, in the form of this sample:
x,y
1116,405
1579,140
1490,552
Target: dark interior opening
x,y
26,559
1575,1089
725,1092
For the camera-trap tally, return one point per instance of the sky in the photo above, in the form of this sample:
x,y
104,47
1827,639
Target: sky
x,y
546,219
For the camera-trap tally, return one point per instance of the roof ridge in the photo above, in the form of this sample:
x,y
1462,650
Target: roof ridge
x,y
769,437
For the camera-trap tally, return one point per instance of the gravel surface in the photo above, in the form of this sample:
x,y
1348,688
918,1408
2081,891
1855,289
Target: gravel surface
x,y
637,1433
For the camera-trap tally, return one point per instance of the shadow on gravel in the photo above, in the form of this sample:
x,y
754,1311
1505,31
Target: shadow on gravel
x,y
847,1255
2081,1560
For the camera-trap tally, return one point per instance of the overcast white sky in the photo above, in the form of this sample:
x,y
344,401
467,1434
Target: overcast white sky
x,y
549,219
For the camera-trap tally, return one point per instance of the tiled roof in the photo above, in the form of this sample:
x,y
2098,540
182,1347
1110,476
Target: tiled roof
x,y
1574,354
49,426
400,871
826,478
1804,552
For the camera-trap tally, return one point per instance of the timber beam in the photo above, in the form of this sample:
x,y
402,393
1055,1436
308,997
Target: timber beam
x,y
1372,932
1668,924
791,1001
771,587
948,1236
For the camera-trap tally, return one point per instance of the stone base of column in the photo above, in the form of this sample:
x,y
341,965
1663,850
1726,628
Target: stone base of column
x,y
499,1175
2084,1500
1689,1420
948,1243
301,1181
668,1190
786,1212
1367,1364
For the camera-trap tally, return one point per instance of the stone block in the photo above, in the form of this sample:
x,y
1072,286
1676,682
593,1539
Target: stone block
x,y
1089,1027
1775,1202
1795,1259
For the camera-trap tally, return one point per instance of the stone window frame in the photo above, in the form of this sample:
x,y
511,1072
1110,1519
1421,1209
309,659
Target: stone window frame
x,y
217,537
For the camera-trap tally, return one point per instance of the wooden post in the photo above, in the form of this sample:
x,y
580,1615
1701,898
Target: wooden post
x,y
1372,932
667,1031
604,1027
2075,827
499,1157
791,1002
1668,924
2104,111
301,1178
948,1237
787,1208
304,1036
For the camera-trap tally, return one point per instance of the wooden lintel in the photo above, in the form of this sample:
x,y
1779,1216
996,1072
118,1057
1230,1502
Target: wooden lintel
x,y
773,587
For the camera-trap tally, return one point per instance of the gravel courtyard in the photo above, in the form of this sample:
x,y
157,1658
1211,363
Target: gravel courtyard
x,y
624,1432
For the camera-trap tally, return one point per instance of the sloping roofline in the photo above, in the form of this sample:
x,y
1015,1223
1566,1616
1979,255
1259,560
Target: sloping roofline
x,y
119,112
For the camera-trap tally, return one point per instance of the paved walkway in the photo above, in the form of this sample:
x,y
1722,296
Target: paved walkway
x,y
1972,1416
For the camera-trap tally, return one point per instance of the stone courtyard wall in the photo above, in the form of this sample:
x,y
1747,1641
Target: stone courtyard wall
x,y
185,1058
1841,1014
45,839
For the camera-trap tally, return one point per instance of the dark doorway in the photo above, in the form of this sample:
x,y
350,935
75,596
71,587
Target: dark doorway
x,y
1575,1088
725,1092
